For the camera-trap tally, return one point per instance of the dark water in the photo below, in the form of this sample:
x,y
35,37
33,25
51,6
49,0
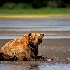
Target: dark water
x,y
47,25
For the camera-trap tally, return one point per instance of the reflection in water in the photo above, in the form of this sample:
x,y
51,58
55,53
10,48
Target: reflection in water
x,y
33,66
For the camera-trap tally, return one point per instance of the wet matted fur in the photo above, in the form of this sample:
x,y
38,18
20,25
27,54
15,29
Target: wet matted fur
x,y
21,49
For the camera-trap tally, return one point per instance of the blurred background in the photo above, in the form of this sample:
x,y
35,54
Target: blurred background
x,y
11,4
34,7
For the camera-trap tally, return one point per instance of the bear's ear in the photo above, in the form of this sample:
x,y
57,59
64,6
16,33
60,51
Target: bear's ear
x,y
29,34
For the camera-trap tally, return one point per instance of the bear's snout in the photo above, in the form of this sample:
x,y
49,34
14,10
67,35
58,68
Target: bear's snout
x,y
40,40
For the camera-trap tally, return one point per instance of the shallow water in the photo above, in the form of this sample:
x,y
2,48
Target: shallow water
x,y
33,66
36,25
45,37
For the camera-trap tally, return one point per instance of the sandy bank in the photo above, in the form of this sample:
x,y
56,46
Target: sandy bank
x,y
34,16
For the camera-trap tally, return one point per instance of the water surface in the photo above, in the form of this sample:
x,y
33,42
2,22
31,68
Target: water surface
x,y
36,25
33,66
45,37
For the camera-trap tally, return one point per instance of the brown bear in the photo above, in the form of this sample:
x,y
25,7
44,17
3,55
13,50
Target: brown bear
x,y
21,49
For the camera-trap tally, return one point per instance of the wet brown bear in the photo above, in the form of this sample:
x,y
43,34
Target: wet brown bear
x,y
21,49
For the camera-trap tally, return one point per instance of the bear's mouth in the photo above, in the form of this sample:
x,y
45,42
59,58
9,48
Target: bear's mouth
x,y
39,41
31,44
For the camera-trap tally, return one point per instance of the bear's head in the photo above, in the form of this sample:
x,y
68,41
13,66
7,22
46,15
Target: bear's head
x,y
34,40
